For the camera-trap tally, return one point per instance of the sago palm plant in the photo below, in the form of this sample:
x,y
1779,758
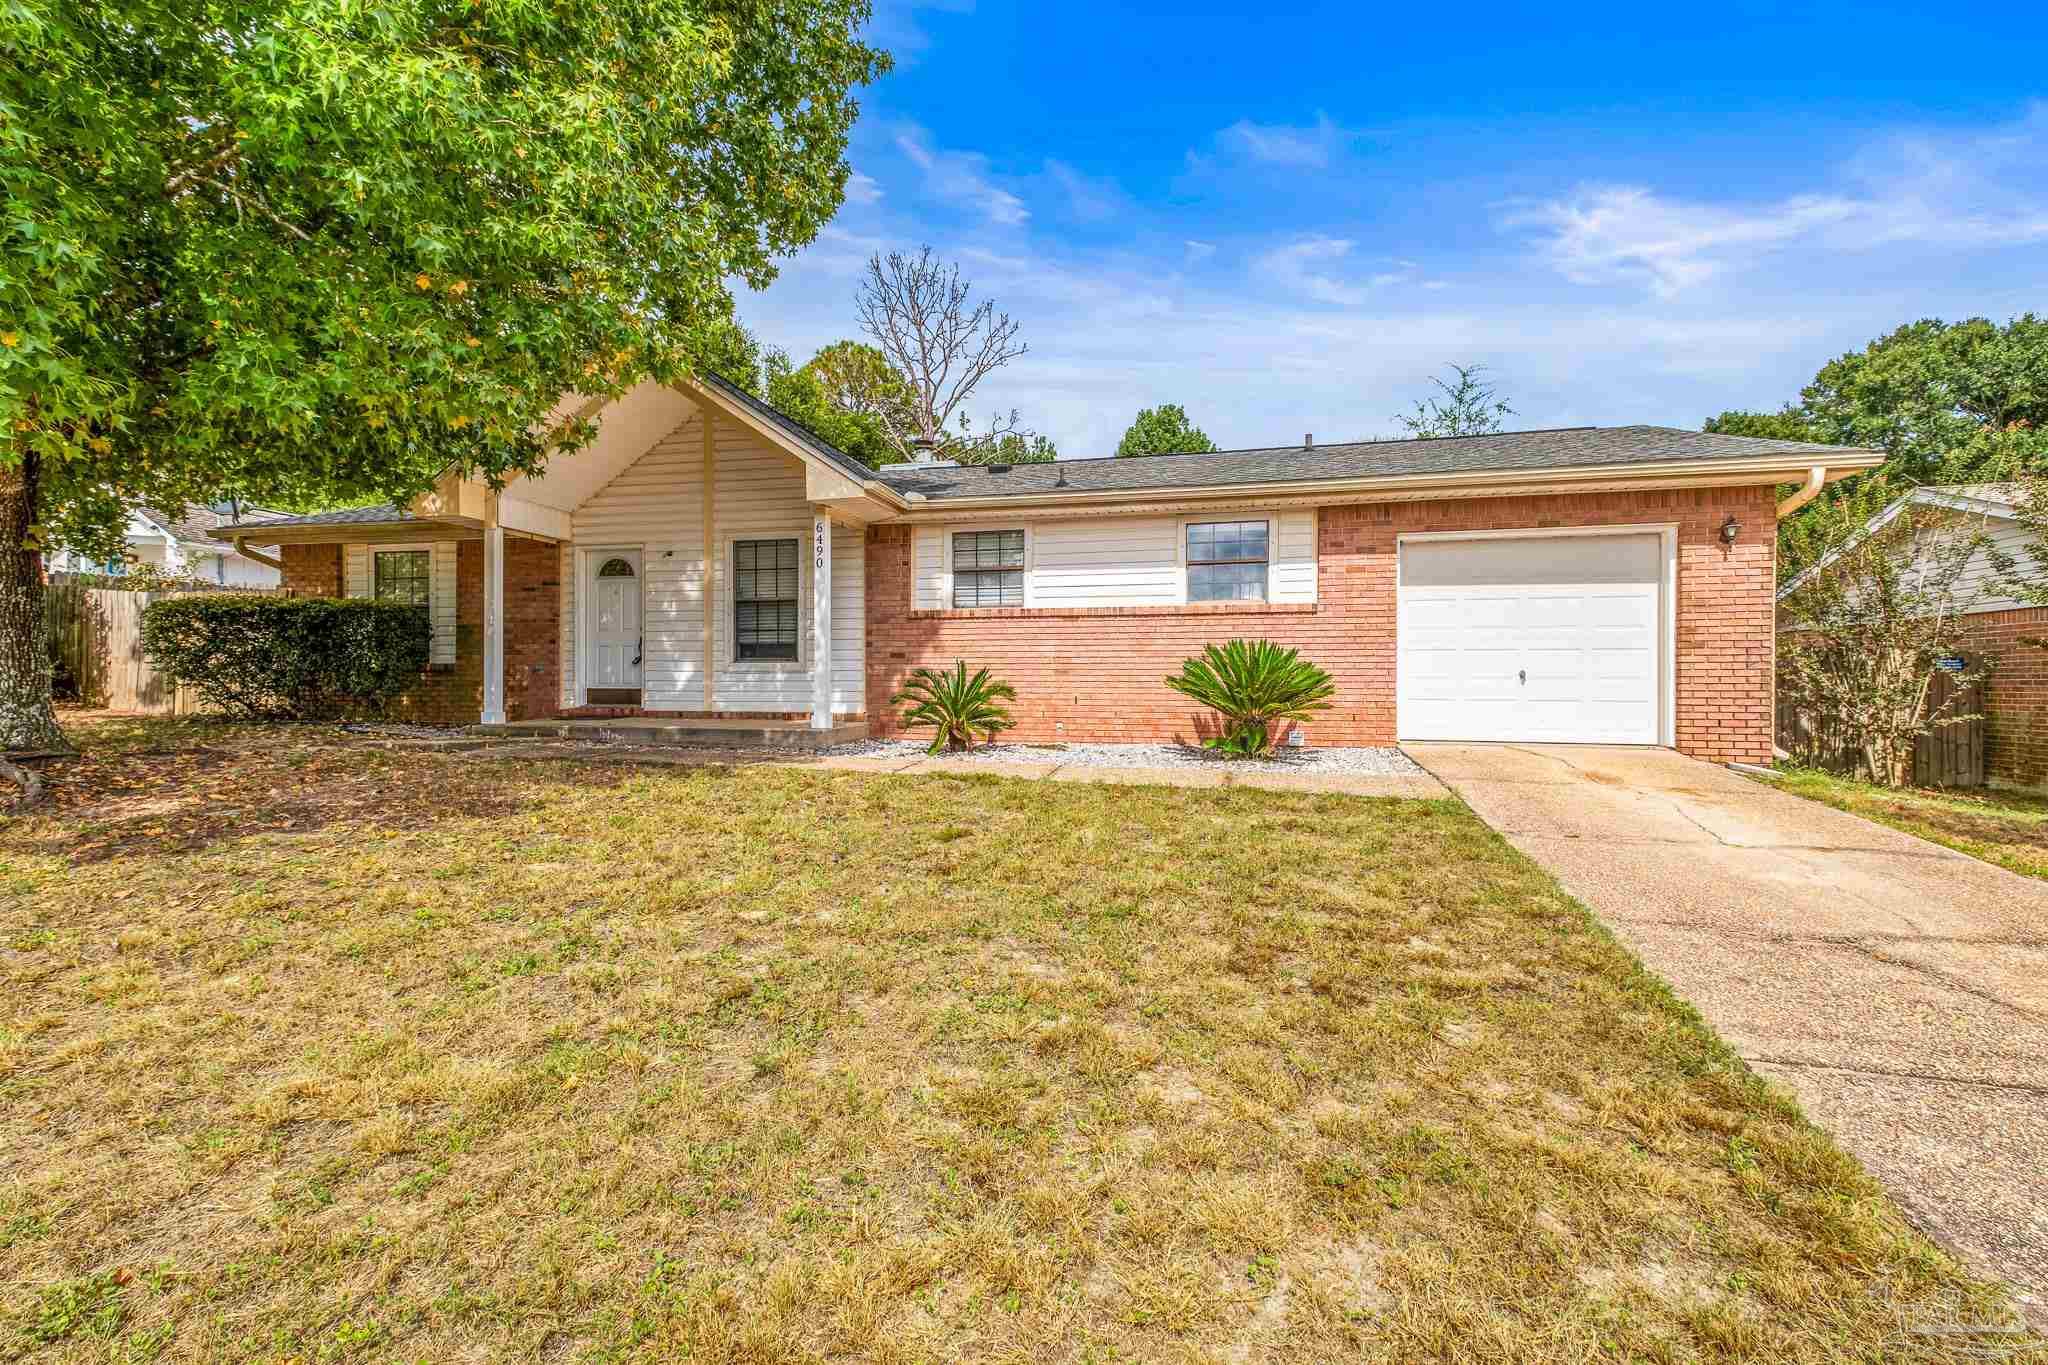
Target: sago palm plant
x,y
1253,685
956,706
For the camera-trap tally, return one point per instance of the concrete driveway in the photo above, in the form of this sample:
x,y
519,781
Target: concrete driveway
x,y
1900,989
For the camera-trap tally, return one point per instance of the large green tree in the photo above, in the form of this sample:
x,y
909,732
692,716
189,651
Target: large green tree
x,y
321,248
1164,430
846,393
1948,402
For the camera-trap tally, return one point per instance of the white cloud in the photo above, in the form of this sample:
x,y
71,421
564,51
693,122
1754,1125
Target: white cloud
x,y
1198,251
960,178
1310,147
1603,234
1090,199
1312,268
1979,191
862,190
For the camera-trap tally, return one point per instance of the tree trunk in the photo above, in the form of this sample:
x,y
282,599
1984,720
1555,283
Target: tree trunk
x,y
28,723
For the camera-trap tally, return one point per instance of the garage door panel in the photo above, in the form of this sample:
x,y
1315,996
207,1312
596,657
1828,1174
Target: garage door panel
x,y
1540,639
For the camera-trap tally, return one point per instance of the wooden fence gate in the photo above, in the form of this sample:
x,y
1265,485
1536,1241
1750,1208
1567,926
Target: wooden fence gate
x,y
1946,756
95,637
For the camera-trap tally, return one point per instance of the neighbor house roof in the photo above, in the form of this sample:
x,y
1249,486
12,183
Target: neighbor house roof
x,y
197,524
1993,501
1505,452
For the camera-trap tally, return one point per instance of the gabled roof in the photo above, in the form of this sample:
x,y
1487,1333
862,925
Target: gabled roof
x,y
1631,451
795,431
1509,451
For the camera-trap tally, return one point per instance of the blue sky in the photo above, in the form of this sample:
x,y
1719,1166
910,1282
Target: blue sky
x,y
1287,216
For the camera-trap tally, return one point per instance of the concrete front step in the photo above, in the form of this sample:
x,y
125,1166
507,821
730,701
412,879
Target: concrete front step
x,y
780,735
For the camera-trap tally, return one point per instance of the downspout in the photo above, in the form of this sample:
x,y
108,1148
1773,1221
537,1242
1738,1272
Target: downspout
x,y
265,560
1816,479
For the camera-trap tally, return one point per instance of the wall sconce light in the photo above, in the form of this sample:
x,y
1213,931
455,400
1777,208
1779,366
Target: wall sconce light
x,y
1730,529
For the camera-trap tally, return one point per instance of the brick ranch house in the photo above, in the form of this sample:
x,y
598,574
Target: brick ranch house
x,y
708,557
1996,629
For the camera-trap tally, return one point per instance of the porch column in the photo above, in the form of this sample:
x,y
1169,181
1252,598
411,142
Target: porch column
x,y
821,619
494,625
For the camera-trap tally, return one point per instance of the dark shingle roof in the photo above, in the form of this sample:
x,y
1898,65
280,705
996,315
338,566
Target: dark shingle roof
x,y
1508,451
790,427
1504,452
378,515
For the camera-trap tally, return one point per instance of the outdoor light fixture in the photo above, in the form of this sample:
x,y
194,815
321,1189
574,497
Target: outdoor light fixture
x,y
1730,529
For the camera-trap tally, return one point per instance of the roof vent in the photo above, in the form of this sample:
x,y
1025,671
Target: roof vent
x,y
1308,440
1061,481
998,469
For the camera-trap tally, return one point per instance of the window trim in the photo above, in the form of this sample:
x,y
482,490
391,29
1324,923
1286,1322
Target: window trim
x,y
727,633
1272,521
377,552
949,601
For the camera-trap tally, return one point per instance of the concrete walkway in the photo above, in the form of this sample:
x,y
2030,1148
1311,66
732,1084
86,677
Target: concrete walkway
x,y
1900,989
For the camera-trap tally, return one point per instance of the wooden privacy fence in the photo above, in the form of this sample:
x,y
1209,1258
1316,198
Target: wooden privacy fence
x,y
95,637
1946,756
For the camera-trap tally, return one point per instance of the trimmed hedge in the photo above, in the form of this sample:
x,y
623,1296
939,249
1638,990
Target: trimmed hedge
x,y
288,657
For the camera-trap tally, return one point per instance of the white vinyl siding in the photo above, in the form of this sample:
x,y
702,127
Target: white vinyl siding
x,y
1973,585
1115,561
1291,576
656,505
1107,562
358,579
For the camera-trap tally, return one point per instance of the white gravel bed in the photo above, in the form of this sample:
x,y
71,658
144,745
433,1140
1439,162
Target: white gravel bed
x,y
1368,762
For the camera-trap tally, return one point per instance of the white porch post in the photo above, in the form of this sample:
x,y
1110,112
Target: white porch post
x,y
821,620
494,624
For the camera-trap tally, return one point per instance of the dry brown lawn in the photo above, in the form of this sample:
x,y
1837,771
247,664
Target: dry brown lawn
x,y
2004,827
315,1051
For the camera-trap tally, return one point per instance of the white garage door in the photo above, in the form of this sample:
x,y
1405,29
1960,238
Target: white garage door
x,y
1546,639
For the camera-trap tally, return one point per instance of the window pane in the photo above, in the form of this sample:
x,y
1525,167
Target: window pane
x,y
1227,542
401,576
1226,583
989,588
764,609
988,550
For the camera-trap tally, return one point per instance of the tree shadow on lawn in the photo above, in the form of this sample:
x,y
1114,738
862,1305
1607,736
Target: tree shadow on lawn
x,y
148,785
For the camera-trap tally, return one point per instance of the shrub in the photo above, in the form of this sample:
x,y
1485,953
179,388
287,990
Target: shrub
x,y
955,705
1252,684
288,657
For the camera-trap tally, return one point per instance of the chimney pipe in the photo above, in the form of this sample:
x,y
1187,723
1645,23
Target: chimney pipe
x,y
922,449
1308,440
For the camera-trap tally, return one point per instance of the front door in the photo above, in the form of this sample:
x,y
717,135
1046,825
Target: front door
x,y
614,621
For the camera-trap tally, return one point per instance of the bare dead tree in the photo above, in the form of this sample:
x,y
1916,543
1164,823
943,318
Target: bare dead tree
x,y
918,311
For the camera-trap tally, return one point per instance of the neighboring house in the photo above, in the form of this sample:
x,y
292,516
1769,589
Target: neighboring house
x,y
186,543
708,556
1996,628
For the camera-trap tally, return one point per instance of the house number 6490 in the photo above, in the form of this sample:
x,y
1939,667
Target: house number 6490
x,y
818,545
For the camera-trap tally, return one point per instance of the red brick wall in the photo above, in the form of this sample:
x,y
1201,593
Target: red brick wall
x,y
453,694
1099,671
311,570
2015,694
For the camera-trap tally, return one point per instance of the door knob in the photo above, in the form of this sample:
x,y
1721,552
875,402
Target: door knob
x,y
1523,674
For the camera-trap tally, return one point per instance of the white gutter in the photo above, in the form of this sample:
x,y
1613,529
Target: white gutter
x,y
1816,479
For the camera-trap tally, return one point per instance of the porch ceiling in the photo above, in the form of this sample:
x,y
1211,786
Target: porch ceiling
x,y
627,429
